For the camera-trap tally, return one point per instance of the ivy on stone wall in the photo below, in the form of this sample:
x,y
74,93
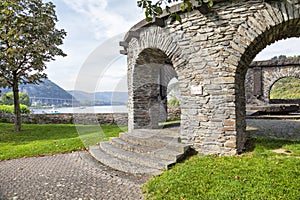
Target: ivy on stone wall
x,y
153,10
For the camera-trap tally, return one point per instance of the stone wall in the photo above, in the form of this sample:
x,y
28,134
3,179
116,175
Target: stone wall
x,y
174,112
102,118
211,53
69,118
262,75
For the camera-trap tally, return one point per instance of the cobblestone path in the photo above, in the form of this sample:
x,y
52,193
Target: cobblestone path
x,y
277,129
65,176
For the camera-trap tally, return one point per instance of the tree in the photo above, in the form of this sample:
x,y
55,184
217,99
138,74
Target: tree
x,y
153,10
282,57
28,39
8,98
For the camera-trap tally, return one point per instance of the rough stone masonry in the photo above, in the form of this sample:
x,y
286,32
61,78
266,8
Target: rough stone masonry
x,y
210,54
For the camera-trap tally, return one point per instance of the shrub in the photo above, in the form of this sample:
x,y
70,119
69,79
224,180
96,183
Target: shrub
x,y
8,99
10,109
173,101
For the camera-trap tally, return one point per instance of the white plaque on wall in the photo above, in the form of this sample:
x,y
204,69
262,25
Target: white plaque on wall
x,y
196,89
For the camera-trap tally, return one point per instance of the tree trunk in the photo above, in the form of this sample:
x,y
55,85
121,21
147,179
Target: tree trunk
x,y
17,109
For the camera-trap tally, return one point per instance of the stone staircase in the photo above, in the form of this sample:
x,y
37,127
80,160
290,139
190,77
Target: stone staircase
x,y
142,151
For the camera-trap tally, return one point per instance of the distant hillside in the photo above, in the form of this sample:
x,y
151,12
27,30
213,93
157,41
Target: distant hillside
x,y
100,98
286,88
43,91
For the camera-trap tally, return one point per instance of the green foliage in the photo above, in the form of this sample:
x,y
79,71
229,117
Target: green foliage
x,y
10,109
153,10
261,174
286,88
173,101
284,57
36,140
8,98
28,39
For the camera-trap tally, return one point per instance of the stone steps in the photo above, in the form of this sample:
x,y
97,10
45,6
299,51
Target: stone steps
x,y
153,142
141,152
119,164
149,160
163,153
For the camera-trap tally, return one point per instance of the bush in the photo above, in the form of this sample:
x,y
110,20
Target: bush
x,y
8,99
10,109
173,102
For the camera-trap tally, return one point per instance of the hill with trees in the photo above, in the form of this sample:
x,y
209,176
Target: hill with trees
x,y
46,89
100,98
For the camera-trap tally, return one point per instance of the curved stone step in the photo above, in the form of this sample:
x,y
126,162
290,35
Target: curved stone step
x,y
154,142
139,158
163,153
120,164
162,134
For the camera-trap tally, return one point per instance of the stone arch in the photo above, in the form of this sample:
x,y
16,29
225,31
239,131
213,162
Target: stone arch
x,y
211,53
153,61
276,75
274,21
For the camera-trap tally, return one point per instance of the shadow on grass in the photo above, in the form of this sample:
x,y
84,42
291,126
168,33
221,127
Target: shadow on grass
x,y
269,144
266,146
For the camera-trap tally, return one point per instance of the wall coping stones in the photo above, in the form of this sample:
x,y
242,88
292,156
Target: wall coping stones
x,y
275,63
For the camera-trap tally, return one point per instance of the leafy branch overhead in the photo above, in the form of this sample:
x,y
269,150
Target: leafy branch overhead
x,y
153,10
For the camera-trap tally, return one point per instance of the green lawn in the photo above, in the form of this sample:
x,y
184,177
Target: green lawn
x,y
46,139
259,174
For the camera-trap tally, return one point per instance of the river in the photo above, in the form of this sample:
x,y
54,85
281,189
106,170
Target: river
x,y
88,109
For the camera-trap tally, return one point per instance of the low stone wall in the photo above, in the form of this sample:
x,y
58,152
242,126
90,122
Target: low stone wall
x,y
69,118
174,112
285,101
88,118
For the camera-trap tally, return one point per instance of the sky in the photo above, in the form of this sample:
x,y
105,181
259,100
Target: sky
x,y
94,29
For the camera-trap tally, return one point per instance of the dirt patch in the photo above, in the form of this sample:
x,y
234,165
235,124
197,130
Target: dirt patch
x,y
282,151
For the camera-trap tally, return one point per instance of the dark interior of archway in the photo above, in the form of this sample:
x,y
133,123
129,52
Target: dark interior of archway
x,y
152,55
154,64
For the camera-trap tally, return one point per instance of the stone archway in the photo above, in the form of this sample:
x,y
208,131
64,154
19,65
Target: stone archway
x,y
262,75
152,73
211,54
277,75
284,97
152,63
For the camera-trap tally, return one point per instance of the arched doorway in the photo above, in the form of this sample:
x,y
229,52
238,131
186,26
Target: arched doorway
x,y
152,73
285,90
261,33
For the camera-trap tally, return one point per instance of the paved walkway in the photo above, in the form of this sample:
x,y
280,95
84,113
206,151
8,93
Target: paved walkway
x,y
278,129
65,176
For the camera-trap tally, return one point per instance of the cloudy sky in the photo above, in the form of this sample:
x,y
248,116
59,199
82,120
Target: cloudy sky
x,y
94,29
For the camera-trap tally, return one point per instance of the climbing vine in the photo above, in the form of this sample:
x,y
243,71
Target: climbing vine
x,y
155,9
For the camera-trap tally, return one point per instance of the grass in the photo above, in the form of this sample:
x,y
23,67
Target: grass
x,y
259,174
37,140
